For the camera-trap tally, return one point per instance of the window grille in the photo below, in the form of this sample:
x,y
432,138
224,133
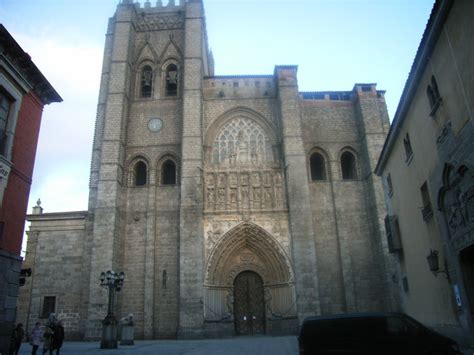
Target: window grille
x,y
49,306
241,141
427,210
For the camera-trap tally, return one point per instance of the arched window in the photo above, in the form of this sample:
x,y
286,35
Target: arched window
x,y
146,81
431,97
318,167
348,166
139,174
168,173
171,85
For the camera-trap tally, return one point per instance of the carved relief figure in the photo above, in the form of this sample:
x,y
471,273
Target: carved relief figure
x,y
244,197
255,179
244,179
210,197
267,179
256,197
268,197
221,197
278,179
213,235
233,180
222,180
210,180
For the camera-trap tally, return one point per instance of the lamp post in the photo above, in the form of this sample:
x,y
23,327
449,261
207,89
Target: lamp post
x,y
113,282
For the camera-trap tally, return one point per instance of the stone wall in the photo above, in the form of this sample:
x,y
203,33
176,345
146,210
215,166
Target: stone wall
x,y
55,254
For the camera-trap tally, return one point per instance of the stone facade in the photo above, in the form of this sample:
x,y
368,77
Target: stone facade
x,y
427,165
197,179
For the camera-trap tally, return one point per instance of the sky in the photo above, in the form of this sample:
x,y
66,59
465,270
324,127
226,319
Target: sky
x,y
335,43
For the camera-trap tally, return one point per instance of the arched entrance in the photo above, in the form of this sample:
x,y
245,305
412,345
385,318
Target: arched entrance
x,y
249,304
248,274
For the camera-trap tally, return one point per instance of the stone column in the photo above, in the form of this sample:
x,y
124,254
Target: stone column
x,y
191,204
301,223
373,124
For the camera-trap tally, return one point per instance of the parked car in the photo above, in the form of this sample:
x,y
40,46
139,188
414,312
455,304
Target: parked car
x,y
371,333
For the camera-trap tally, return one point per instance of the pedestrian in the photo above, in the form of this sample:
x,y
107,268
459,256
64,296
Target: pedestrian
x,y
35,338
48,339
17,337
58,336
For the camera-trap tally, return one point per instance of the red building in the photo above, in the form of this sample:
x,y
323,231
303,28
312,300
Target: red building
x,y
23,93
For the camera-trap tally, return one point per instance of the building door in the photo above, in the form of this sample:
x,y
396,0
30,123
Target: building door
x,y
467,265
249,308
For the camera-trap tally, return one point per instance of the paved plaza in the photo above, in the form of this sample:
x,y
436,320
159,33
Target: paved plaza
x,y
239,345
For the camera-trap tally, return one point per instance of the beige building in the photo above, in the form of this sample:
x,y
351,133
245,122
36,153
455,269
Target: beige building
x,y
427,165
234,204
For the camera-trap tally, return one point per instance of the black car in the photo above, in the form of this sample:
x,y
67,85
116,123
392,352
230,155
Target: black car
x,y
371,333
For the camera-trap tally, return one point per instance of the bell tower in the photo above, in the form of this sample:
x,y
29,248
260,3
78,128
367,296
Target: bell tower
x,y
144,152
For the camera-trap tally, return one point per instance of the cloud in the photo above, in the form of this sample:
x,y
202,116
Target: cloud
x,y
64,148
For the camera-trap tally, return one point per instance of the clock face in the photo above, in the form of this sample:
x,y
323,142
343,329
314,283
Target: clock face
x,y
155,124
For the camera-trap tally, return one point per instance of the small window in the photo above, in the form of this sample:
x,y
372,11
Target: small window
x,y
348,166
406,287
434,85
430,94
146,82
392,230
49,306
426,211
389,186
140,174
408,149
236,84
318,167
5,105
433,95
171,80
168,174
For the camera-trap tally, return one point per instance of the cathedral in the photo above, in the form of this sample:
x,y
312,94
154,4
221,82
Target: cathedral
x,y
233,204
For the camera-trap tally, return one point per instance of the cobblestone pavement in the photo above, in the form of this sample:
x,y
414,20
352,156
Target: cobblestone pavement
x,y
240,345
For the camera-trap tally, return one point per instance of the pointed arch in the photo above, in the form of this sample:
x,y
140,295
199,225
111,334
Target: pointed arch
x,y
138,171
171,78
147,53
349,164
318,165
170,51
247,246
244,126
168,170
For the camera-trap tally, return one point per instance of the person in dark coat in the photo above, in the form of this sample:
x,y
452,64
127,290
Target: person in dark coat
x,y
58,336
17,337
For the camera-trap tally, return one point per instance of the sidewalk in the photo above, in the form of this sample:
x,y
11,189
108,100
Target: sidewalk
x,y
233,346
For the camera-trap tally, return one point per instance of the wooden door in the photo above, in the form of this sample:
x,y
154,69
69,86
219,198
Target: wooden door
x,y
249,307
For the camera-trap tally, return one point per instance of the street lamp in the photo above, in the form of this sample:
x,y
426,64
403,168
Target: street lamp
x,y
113,282
433,262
